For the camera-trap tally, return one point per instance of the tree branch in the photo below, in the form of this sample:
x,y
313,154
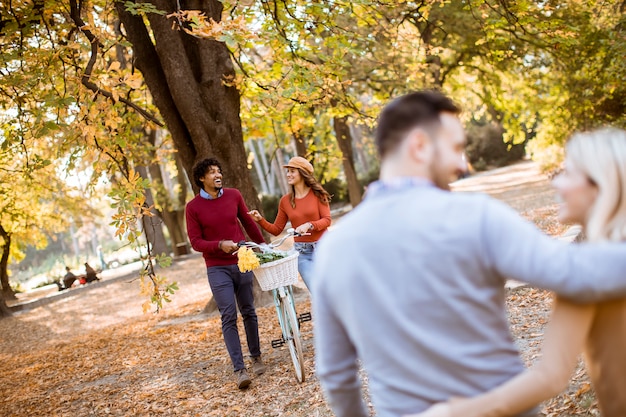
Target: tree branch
x,y
85,79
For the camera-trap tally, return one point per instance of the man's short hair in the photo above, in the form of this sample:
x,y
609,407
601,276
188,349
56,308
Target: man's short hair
x,y
201,168
418,109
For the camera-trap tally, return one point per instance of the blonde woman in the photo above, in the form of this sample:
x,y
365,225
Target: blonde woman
x,y
307,207
593,192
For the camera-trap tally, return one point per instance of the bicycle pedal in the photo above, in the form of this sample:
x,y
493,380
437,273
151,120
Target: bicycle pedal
x,y
278,343
304,317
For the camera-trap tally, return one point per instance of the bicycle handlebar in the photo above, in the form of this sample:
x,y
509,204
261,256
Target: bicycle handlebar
x,y
291,232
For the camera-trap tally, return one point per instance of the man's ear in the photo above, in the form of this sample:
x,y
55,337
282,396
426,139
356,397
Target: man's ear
x,y
419,146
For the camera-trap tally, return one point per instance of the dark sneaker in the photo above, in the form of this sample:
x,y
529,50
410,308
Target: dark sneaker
x,y
258,366
243,380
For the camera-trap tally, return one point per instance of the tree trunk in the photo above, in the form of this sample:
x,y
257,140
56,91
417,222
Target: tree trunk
x,y
5,311
7,291
153,226
172,213
189,79
177,231
182,199
301,145
344,139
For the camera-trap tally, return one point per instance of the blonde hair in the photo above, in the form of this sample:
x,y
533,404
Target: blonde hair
x,y
601,156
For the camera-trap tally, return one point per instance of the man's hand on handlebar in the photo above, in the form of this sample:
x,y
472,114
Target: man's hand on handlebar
x,y
228,246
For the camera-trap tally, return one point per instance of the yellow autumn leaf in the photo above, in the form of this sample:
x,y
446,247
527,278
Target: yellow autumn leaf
x,y
134,80
115,66
585,387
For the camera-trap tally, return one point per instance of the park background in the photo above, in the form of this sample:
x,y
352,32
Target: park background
x,y
106,105
92,351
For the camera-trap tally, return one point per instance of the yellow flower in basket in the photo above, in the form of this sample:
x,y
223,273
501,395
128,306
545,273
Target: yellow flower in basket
x,y
247,259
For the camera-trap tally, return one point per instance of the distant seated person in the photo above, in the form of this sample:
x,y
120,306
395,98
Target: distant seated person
x,y
90,274
68,278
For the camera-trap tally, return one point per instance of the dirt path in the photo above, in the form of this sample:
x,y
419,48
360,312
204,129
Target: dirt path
x,y
98,306
523,186
94,352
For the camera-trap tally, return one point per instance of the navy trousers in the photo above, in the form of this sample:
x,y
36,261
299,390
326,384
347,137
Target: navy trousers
x,y
231,288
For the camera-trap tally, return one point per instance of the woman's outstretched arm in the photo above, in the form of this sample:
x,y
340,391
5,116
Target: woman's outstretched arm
x,y
564,340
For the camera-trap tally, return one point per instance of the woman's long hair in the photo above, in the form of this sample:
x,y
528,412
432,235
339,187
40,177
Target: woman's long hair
x,y
311,182
601,155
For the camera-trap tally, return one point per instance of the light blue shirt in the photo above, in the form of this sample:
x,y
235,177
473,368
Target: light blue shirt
x,y
411,283
208,196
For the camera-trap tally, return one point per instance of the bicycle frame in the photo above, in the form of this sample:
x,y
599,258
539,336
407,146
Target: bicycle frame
x,y
290,327
279,294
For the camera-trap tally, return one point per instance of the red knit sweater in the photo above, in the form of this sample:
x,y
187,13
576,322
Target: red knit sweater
x,y
209,221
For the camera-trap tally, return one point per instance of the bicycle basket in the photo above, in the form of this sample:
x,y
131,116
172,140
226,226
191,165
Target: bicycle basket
x,y
278,273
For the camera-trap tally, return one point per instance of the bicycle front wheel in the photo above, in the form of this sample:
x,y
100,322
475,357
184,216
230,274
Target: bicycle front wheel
x,y
291,333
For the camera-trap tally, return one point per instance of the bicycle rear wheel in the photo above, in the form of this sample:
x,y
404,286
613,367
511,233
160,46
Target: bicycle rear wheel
x,y
291,333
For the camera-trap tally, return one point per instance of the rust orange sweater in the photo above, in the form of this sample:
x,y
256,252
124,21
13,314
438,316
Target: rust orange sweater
x,y
308,209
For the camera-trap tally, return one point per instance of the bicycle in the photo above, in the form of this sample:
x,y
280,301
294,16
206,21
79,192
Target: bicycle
x,y
279,276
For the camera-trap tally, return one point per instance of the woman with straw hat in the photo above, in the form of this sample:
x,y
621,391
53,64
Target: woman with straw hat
x,y
307,207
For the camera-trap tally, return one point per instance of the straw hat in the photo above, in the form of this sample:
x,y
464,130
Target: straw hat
x,y
300,162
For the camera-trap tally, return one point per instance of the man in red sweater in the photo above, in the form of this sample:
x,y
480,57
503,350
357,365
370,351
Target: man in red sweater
x,y
213,225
